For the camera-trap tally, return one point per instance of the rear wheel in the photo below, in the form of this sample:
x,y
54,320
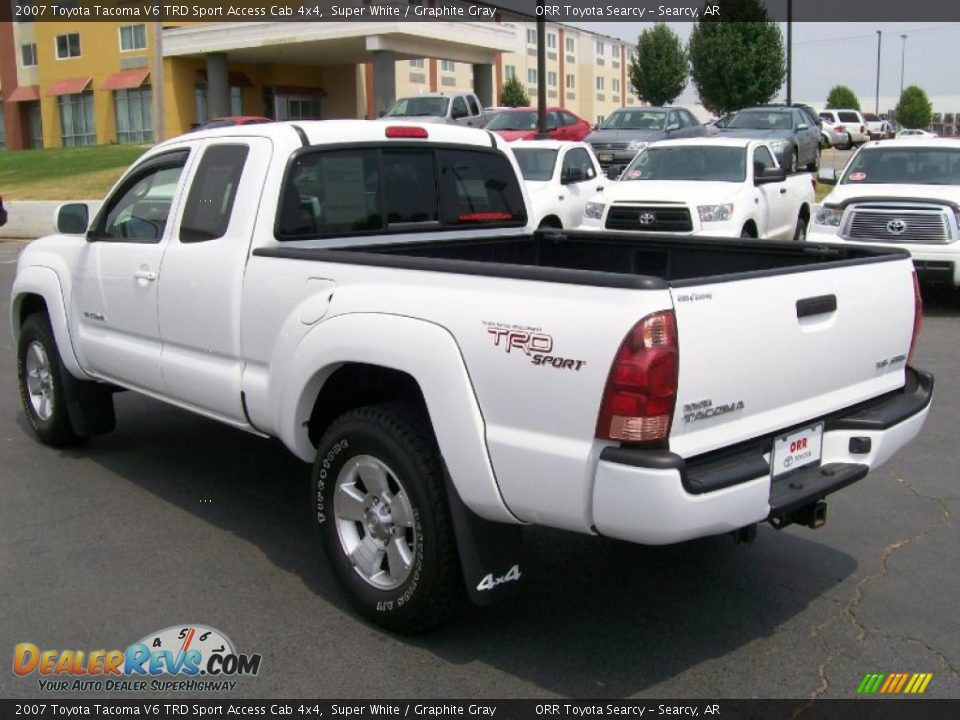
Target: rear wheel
x,y
382,514
748,233
800,233
40,377
550,223
814,165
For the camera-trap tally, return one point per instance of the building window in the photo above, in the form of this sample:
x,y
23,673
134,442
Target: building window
x,y
599,83
297,107
134,115
599,119
571,82
448,65
133,37
600,47
551,40
68,46
236,100
509,72
532,76
531,36
76,120
615,85
417,63
200,100
28,54
615,50
552,79
570,45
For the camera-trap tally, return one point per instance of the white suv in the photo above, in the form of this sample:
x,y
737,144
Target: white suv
x,y
850,122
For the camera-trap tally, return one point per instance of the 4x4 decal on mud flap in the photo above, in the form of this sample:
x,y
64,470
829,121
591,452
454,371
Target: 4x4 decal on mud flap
x,y
532,342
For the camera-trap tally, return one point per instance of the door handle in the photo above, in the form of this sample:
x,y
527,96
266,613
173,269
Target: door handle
x,y
819,305
148,275
783,191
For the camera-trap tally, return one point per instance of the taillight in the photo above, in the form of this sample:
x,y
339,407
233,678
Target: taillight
x,y
917,317
641,391
839,128
863,129
406,131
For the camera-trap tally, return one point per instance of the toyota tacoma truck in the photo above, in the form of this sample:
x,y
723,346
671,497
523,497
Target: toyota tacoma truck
x,y
716,186
901,194
374,295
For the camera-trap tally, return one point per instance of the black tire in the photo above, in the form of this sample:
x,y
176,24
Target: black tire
x,y
397,437
815,164
794,160
747,234
550,224
55,429
800,233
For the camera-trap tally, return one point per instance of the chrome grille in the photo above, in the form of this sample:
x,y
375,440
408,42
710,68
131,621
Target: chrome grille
x,y
609,146
903,224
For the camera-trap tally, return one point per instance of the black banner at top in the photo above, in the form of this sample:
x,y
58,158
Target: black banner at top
x,y
651,11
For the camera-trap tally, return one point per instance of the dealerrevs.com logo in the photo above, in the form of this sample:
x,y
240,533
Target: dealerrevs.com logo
x,y
185,658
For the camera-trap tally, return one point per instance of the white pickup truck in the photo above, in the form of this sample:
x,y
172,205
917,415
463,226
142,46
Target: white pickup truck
x,y
903,194
717,187
374,296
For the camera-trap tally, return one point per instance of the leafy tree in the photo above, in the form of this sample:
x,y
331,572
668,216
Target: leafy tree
x,y
737,61
514,94
659,66
842,97
914,108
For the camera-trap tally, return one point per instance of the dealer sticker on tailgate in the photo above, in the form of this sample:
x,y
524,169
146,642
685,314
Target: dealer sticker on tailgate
x,y
796,449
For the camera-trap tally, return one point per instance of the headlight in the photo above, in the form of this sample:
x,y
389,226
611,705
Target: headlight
x,y
715,213
594,210
779,145
635,146
828,216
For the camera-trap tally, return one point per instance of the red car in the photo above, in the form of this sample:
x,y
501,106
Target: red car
x,y
521,124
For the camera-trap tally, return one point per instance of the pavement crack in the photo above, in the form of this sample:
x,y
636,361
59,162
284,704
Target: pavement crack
x,y
849,610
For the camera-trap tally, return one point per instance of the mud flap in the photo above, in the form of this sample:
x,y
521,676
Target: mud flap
x,y
90,405
489,552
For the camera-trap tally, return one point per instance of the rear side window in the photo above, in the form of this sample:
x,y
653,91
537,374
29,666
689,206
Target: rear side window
x,y
357,191
209,206
474,108
479,188
848,117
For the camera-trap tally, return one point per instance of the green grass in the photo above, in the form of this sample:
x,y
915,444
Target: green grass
x,y
64,173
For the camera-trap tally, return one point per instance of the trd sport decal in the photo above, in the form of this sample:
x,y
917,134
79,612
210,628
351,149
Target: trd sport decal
x,y
531,342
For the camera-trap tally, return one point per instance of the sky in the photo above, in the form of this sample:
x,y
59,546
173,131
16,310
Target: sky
x,y
828,54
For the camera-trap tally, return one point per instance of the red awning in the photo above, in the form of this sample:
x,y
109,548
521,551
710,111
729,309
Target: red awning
x,y
25,93
125,80
70,86
237,79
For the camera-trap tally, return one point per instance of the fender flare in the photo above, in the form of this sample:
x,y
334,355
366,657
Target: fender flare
x,y
43,281
425,351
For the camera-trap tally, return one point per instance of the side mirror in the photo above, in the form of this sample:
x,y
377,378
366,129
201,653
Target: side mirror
x,y
770,175
73,218
827,176
613,173
573,175
803,126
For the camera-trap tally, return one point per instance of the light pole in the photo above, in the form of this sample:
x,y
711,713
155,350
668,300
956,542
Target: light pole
x,y
876,108
903,55
789,52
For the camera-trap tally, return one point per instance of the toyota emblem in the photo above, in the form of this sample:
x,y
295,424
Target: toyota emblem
x,y
647,218
896,227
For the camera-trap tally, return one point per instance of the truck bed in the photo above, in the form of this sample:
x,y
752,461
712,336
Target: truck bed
x,y
603,259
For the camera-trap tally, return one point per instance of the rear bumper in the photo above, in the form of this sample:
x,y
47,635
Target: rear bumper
x,y
658,497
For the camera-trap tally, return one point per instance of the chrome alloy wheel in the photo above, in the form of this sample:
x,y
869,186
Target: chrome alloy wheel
x,y
39,380
375,522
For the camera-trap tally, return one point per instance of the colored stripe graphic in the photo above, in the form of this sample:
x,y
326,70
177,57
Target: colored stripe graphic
x,y
894,683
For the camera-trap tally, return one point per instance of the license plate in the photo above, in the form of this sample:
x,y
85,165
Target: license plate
x,y
796,450
605,157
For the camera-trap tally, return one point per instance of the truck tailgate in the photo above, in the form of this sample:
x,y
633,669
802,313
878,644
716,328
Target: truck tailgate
x,y
761,354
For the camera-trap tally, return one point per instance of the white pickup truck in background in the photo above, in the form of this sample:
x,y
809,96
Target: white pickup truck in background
x,y
454,108
717,187
374,296
899,193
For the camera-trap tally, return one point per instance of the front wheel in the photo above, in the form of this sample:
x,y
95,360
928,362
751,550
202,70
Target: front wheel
x,y
814,164
381,510
40,375
794,160
800,233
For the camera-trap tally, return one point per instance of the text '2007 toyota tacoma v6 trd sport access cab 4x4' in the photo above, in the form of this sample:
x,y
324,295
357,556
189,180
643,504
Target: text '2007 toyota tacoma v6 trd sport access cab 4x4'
x,y
373,295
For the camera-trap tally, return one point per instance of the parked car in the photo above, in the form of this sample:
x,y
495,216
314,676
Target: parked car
x,y
877,127
916,133
233,120
455,108
812,115
521,124
627,131
794,140
3,213
833,136
560,177
715,125
903,194
715,187
374,296
850,122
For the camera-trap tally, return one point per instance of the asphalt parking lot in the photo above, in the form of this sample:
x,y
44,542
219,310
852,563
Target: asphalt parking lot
x,y
174,519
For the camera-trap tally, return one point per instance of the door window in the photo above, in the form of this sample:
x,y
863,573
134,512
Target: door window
x,y
459,108
140,208
474,108
762,159
577,161
210,202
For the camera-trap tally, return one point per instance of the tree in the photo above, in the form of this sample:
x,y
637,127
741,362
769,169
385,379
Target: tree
x,y
739,61
514,94
659,66
842,98
914,108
